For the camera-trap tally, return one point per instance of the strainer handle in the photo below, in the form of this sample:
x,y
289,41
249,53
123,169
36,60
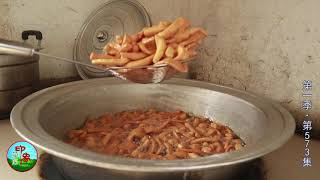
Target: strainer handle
x,y
15,48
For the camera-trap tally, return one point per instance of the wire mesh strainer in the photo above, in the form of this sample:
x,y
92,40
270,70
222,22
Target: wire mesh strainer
x,y
142,74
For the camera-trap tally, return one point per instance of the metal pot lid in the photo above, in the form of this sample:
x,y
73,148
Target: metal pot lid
x,y
116,17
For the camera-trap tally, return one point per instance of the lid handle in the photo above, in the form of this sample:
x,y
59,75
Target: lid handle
x,y
25,36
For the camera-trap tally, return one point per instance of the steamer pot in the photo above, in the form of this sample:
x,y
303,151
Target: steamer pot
x,y
18,78
19,75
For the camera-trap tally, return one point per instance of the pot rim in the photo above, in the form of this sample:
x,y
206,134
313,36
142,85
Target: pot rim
x,y
68,152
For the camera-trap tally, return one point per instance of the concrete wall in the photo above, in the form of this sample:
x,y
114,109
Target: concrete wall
x,y
4,9
265,47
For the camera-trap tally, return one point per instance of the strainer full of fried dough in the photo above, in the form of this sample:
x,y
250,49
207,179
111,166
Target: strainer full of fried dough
x,y
154,54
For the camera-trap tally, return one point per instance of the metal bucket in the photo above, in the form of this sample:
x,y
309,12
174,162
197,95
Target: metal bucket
x,y
44,118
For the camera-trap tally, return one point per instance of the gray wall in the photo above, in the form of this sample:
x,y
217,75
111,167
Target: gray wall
x,y
265,47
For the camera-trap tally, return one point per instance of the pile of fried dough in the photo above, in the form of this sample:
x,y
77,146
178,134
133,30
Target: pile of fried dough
x,y
166,43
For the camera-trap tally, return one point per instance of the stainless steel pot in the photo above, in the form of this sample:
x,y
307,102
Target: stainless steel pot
x,y
19,75
44,117
18,78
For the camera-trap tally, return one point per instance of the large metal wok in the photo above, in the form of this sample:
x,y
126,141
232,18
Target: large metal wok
x,y
44,117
